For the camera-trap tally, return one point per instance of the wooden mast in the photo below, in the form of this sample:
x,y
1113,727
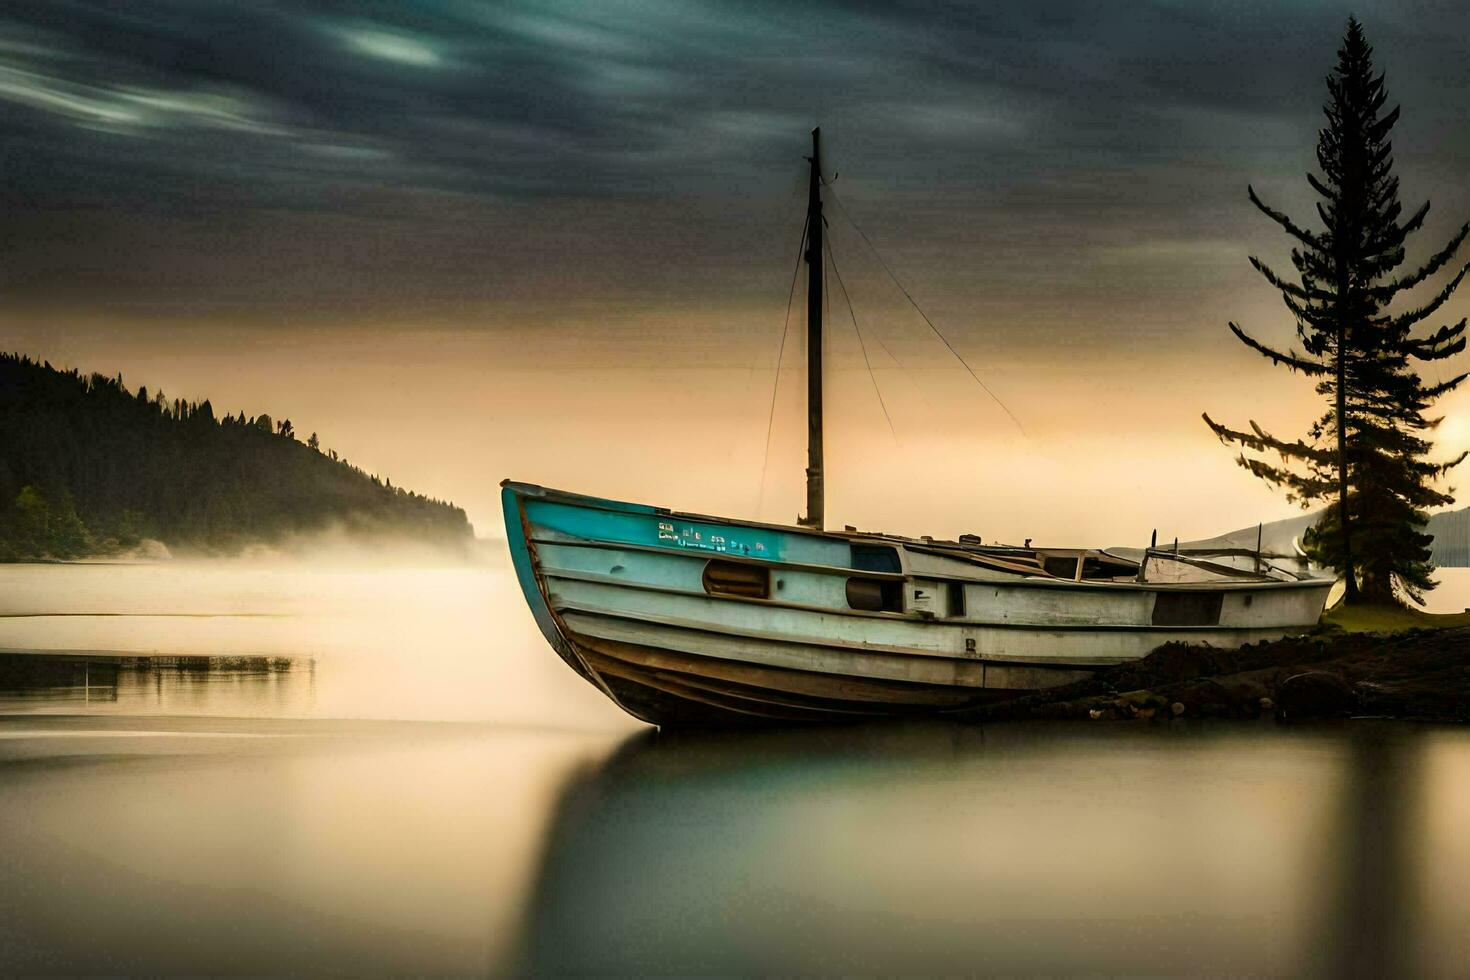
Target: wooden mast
x,y
816,264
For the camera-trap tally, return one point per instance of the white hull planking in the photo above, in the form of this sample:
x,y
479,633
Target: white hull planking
x,y
1021,633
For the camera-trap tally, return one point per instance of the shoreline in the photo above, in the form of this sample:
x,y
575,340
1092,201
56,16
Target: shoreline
x,y
1414,675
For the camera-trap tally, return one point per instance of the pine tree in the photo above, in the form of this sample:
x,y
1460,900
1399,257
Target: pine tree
x,y
1368,453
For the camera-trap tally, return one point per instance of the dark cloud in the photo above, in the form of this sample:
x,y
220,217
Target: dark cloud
x,y
197,154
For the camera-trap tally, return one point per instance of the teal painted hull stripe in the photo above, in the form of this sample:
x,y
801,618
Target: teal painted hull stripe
x,y
680,534
520,555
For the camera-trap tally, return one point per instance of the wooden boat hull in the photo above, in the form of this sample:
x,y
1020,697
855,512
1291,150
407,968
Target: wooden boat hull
x,y
695,621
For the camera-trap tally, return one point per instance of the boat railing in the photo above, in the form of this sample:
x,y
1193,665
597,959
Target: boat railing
x,y
1263,567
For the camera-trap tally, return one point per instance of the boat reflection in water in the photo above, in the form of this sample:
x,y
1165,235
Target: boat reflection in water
x,y
935,848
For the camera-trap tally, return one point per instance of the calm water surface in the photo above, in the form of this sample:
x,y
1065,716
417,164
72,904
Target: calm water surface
x,y
386,771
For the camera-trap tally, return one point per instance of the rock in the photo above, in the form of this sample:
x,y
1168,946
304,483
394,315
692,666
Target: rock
x,y
1314,694
1178,662
1212,697
1245,692
1177,708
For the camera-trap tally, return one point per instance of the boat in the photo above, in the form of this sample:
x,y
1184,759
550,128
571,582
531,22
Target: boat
x,y
688,620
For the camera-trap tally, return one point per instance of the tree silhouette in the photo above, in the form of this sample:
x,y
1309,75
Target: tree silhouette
x,y
1367,452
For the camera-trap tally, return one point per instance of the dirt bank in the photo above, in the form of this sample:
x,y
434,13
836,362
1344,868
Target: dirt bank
x,y
1417,674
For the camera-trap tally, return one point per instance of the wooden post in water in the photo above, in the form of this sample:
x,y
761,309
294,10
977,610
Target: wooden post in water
x,y
816,263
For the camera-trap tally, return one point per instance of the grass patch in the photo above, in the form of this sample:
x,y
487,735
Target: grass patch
x,y
1389,619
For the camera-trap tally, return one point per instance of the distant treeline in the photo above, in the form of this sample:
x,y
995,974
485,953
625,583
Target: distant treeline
x,y
88,467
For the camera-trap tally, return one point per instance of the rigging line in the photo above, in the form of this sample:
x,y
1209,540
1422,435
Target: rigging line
x,y
877,338
832,257
780,356
996,398
879,341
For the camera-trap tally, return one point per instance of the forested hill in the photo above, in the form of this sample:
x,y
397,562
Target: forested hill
x,y
88,467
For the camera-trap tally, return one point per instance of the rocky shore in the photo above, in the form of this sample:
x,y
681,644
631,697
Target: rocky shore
x,y
1420,674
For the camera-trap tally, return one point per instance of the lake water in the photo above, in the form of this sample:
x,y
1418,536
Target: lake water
x,y
387,771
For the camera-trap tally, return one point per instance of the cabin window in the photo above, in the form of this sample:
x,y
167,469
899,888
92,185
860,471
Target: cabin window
x,y
1093,567
1063,566
875,595
1187,608
956,605
736,578
876,558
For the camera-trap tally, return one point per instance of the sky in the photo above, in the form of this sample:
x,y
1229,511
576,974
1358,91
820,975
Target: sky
x,y
555,241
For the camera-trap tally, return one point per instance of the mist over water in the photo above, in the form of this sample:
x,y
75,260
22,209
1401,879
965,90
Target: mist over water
x,y
384,639
369,767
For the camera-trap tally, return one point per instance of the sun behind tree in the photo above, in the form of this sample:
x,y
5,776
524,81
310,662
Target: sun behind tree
x,y
1367,453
